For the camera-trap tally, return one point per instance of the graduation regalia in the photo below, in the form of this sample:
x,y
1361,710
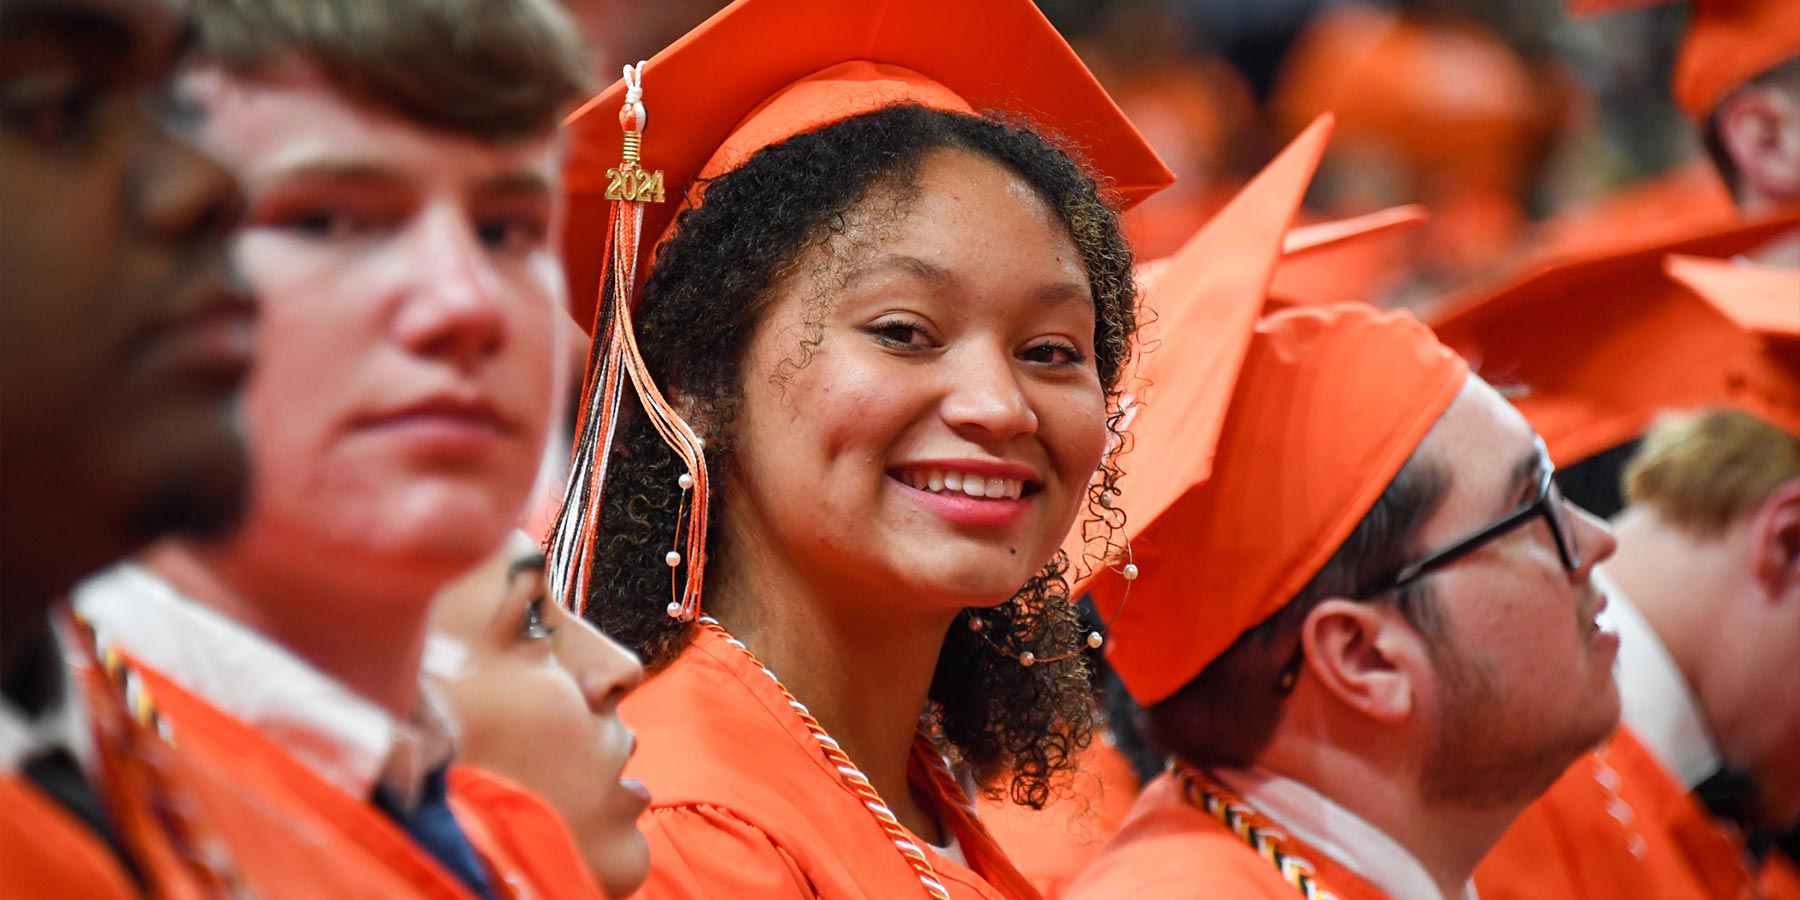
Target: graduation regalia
x,y
1051,846
1587,382
749,799
206,806
1617,824
1337,396
1192,838
746,805
1620,823
289,829
1726,43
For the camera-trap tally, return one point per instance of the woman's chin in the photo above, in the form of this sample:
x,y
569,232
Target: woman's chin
x,y
622,864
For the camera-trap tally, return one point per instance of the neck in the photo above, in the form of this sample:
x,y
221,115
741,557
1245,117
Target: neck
x,y
1658,568
1382,789
1697,596
365,631
1781,251
864,677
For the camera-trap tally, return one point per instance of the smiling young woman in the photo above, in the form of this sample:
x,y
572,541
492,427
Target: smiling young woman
x,y
897,325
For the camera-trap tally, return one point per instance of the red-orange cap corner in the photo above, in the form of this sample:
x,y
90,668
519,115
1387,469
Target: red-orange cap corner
x,y
761,71
1726,43
1729,42
1256,445
1764,302
1592,348
1344,260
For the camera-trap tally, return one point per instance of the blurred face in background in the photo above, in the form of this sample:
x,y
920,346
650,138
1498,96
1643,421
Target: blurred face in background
x,y
535,691
405,386
123,336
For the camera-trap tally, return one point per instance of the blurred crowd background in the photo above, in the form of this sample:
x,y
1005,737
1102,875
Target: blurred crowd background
x,y
1523,131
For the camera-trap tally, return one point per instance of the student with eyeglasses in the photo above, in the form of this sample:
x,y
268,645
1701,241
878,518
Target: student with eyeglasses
x,y
1364,622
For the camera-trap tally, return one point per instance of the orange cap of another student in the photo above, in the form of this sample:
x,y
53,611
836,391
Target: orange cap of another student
x,y
1256,445
1727,42
1439,96
762,71
1592,349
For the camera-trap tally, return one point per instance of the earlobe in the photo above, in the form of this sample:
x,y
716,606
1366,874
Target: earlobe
x,y
1777,543
1357,652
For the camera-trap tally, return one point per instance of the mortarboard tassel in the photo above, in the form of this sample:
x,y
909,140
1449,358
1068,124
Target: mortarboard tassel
x,y
613,358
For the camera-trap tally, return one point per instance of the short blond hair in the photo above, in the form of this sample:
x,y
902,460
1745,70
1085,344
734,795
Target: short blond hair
x,y
1706,471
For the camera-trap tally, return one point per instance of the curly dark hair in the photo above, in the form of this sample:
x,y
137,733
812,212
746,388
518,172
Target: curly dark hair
x,y
703,300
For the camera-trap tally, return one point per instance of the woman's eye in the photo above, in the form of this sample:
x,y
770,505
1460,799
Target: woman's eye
x,y
535,627
900,334
1053,353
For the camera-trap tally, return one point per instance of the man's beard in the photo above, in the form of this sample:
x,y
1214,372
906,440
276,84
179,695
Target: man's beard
x,y
1489,753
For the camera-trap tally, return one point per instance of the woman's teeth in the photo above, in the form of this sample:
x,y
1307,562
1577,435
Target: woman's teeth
x,y
940,481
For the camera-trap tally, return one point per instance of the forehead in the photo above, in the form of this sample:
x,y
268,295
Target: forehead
x,y
965,211
468,603
293,118
1481,441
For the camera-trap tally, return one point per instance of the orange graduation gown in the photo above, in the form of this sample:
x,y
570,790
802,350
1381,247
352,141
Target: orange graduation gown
x,y
287,832
287,826
1617,825
1170,849
747,805
1780,878
47,854
1052,845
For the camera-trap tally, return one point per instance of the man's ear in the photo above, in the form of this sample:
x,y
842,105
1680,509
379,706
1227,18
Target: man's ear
x,y
1775,537
1366,655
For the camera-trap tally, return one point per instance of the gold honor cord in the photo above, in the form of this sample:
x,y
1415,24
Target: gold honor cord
x,y
1253,829
853,778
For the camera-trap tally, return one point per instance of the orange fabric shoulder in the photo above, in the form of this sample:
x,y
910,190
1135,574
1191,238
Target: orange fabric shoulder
x,y
286,826
1052,845
745,804
519,833
1169,850
1780,878
46,854
1616,825
699,852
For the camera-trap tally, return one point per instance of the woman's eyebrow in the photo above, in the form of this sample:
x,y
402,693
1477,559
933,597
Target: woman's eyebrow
x,y
530,562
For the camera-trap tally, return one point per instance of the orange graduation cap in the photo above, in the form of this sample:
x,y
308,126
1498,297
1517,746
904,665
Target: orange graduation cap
x,y
761,71
755,74
1727,42
1762,300
1320,237
1593,348
1256,445
1354,259
1330,257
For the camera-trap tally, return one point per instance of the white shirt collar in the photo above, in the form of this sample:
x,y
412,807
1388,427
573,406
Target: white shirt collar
x,y
345,739
1658,704
1315,820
